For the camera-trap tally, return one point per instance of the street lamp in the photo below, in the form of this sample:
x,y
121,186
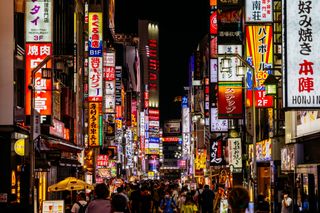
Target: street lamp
x,y
271,84
241,71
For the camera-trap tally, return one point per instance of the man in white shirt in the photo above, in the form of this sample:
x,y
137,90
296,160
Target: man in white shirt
x,y
287,203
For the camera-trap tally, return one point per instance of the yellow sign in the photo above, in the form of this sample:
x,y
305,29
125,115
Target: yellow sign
x,y
19,147
93,129
200,161
151,174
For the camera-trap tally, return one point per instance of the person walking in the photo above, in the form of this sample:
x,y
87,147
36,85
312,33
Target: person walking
x,y
81,204
238,199
168,205
189,205
207,200
101,203
119,204
287,203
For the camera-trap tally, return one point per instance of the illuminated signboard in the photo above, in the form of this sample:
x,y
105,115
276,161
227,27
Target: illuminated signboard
x,y
235,153
259,49
93,128
232,74
95,34
230,100
153,64
95,79
259,11
216,152
171,139
36,53
38,21
302,51
216,124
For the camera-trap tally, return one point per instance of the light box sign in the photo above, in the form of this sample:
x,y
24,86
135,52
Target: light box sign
x,y
35,54
93,128
235,153
213,46
216,124
259,11
232,74
230,100
307,122
264,150
302,51
213,70
288,158
38,21
213,23
216,152
95,79
95,34
259,49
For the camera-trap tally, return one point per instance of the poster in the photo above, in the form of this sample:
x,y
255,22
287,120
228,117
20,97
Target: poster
x,y
53,206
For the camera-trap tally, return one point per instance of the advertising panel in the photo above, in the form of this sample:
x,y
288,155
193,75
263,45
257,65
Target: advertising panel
x,y
288,160
36,53
93,130
95,79
95,34
185,131
307,122
259,49
53,206
38,21
230,100
302,50
235,154
259,11
264,150
232,74
217,125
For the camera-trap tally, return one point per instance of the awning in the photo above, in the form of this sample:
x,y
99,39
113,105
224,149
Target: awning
x,y
69,162
61,144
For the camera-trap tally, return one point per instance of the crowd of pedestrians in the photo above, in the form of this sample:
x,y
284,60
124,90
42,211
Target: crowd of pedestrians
x,y
155,197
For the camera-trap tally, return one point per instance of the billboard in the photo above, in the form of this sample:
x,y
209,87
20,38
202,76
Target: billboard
x,y
35,54
259,49
230,100
307,122
38,21
259,11
302,50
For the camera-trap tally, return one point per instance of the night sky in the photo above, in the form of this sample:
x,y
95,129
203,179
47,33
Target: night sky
x,y
181,24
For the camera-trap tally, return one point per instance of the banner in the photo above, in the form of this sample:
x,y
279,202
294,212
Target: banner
x,y
216,152
235,154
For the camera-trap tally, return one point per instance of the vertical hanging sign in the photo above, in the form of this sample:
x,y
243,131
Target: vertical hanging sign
x,y
95,56
94,121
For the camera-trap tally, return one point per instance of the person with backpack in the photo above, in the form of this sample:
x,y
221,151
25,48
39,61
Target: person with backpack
x,y
189,205
167,204
198,196
81,204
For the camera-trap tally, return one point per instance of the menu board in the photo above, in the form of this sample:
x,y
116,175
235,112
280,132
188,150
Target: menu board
x,y
53,206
